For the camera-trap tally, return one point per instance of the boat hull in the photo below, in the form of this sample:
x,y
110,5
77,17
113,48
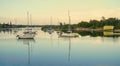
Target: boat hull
x,y
26,36
69,35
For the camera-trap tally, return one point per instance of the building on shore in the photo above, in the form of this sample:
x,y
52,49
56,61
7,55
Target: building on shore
x,y
108,28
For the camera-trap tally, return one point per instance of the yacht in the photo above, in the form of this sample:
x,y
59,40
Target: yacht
x,y
50,30
28,33
69,33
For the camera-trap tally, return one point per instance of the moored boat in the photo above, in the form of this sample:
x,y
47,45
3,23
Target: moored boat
x,y
28,33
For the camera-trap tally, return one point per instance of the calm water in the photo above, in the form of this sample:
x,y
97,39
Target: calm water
x,y
49,50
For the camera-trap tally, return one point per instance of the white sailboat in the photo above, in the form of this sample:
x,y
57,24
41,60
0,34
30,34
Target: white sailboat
x,y
69,33
50,30
28,33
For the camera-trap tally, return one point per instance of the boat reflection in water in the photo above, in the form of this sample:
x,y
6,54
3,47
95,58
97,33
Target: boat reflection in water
x,y
68,39
90,49
29,43
69,52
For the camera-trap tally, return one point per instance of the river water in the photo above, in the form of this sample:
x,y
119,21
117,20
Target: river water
x,y
50,50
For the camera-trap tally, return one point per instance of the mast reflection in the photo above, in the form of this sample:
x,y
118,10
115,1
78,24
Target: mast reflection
x,y
69,52
29,43
68,39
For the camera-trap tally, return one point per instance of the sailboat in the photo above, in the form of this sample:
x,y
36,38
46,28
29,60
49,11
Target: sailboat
x,y
29,29
69,33
59,29
15,28
50,30
28,33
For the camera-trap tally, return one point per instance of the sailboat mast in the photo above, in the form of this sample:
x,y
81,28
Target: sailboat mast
x,y
15,21
69,28
28,19
51,20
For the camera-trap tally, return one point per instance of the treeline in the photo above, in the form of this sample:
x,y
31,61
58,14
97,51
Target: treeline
x,y
4,25
100,23
94,24
10,25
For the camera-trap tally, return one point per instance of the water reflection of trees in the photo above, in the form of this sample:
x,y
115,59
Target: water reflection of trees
x,y
91,33
98,33
8,30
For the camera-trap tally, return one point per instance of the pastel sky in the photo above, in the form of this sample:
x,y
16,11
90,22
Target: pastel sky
x,y
42,10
